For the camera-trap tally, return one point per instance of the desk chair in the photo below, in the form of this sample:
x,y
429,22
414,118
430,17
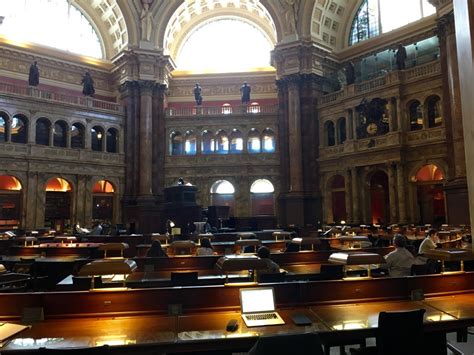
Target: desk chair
x,y
301,344
397,333
247,245
183,247
331,272
187,278
83,283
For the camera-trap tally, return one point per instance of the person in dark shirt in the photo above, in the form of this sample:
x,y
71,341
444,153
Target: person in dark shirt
x,y
156,250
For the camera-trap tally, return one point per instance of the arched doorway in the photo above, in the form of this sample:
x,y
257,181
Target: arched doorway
x,y
57,204
379,198
222,194
10,202
430,195
103,201
261,193
338,198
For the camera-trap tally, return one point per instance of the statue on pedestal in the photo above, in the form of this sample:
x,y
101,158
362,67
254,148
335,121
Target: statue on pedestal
x,y
87,85
33,76
401,56
245,93
197,95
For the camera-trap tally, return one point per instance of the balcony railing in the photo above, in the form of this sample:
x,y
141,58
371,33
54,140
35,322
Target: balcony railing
x,y
58,97
221,110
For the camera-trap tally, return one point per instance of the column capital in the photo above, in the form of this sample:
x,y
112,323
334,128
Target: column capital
x,y
445,25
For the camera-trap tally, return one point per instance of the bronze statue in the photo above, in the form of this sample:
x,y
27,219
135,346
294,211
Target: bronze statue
x,y
401,56
245,92
350,73
197,95
33,76
88,85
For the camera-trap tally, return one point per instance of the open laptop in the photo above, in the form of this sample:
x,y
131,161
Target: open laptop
x,y
258,307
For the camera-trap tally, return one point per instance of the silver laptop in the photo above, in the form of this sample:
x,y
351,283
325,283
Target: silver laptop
x,y
258,307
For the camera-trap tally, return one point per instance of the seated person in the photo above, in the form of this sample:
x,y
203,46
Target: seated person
x,y
206,248
291,247
156,250
399,261
272,267
429,242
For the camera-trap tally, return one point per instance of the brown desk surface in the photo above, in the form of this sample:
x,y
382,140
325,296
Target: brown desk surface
x,y
207,329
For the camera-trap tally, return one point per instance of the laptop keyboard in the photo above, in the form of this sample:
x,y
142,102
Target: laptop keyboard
x,y
261,316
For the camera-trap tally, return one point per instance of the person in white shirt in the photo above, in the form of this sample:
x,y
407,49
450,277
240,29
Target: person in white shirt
x,y
429,242
399,261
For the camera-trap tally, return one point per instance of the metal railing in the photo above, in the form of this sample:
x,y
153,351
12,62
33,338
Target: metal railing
x,y
58,97
221,110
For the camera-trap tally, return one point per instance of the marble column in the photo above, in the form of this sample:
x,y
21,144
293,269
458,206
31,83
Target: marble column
x,y
347,195
145,140
294,137
392,183
350,124
402,194
355,196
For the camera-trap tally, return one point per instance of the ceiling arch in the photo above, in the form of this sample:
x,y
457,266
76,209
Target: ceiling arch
x,y
186,16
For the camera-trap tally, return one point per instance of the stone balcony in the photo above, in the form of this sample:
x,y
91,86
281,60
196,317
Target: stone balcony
x,y
222,111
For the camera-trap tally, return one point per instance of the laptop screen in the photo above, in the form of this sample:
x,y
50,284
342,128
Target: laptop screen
x,y
257,300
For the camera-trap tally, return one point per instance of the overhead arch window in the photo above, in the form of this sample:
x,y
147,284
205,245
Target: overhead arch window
x,y
19,129
433,111
77,136
254,107
222,142
415,111
112,140
225,44
253,142
341,130
268,140
375,17
226,109
59,134
3,127
262,197
330,134
176,143
236,141
207,142
43,127
26,21
190,143
97,136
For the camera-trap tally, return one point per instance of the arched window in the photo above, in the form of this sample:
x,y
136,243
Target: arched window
x,y
338,198
208,48
97,136
236,141
59,134
58,204
226,109
103,201
77,34
10,201
433,111
341,130
222,194
222,142
262,198
268,141
77,136
330,134
176,139
19,129
430,194
375,17
415,111
254,107
190,143
253,142
112,140
3,127
207,142
43,127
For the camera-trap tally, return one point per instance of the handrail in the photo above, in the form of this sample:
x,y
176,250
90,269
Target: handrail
x,y
221,110
59,97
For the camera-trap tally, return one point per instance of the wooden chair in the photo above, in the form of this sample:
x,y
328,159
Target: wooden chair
x,y
397,333
183,247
